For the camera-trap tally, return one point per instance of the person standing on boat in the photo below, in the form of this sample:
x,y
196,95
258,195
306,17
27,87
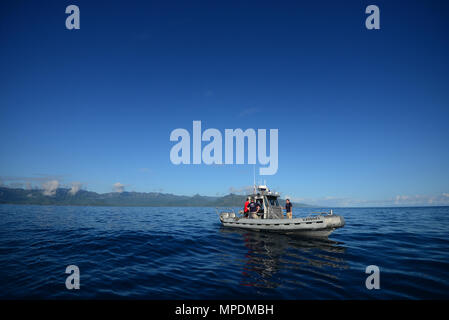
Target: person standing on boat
x,y
246,209
288,208
253,209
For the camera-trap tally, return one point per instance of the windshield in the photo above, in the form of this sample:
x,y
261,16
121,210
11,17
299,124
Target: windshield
x,y
273,201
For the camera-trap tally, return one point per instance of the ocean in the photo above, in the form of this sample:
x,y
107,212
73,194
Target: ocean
x,y
184,253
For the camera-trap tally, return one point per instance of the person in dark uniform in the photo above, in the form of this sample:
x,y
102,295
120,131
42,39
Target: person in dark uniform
x,y
288,208
253,209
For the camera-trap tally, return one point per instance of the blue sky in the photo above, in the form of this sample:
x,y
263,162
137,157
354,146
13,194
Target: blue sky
x,y
362,114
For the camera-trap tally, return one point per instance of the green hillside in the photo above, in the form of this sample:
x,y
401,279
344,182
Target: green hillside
x,y
63,197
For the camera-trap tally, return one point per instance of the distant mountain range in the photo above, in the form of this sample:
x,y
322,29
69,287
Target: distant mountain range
x,y
63,197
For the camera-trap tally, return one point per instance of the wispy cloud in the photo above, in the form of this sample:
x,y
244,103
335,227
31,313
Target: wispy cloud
x,y
118,187
425,200
50,187
241,190
27,181
399,200
15,185
328,201
76,186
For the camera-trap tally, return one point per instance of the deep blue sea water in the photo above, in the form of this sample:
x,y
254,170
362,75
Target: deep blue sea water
x,y
184,253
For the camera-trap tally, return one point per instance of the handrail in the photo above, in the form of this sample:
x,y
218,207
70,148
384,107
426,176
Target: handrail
x,y
223,210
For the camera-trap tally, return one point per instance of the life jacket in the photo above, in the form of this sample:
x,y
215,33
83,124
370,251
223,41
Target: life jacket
x,y
246,207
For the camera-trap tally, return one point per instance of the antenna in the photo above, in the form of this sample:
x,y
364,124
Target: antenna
x,y
254,177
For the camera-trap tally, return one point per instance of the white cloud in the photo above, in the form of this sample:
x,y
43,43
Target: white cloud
x,y
398,200
118,187
76,186
422,200
242,190
26,182
15,185
330,201
50,187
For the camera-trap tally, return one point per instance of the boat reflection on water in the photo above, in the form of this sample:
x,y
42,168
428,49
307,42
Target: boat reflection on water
x,y
273,259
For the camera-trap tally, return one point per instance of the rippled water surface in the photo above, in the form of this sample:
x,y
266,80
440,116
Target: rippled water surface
x,y
174,253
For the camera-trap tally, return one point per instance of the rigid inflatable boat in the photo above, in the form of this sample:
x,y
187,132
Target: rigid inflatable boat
x,y
270,218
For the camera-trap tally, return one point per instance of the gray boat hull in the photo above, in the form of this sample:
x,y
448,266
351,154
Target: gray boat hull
x,y
315,226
